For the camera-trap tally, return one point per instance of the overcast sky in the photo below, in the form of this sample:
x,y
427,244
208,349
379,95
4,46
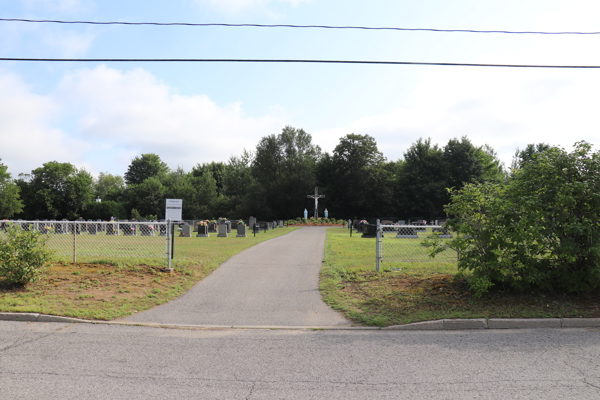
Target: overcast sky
x,y
99,116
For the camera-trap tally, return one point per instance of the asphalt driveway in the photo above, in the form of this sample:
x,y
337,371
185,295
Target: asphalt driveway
x,y
273,283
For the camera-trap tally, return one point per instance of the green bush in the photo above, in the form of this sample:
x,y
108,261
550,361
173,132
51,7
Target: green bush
x,y
22,255
540,229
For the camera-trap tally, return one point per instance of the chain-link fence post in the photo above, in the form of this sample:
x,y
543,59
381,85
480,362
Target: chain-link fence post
x,y
377,244
74,243
170,235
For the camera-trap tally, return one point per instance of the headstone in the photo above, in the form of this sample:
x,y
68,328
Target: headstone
x,y
111,229
281,223
212,227
228,223
185,230
222,230
407,233
369,231
443,233
92,228
401,222
202,231
146,229
242,230
251,221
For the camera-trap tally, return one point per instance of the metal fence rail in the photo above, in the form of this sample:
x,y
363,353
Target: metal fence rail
x,y
96,240
403,243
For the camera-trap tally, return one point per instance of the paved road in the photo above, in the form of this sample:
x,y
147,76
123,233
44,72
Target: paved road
x,y
272,283
80,361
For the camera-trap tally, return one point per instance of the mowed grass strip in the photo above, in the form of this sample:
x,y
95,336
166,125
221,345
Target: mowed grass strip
x,y
105,287
405,292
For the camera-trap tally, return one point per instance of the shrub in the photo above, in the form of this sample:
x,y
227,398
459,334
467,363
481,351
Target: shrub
x,y
22,255
541,229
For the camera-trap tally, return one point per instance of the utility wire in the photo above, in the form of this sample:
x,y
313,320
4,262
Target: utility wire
x,y
297,26
233,60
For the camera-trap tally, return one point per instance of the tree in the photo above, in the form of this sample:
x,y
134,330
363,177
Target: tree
x,y
522,157
422,184
284,172
55,191
351,177
108,186
10,200
148,197
144,167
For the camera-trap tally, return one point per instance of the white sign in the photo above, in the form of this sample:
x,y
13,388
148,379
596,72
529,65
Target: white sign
x,y
173,209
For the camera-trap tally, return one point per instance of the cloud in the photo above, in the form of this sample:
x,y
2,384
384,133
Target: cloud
x,y
237,6
504,108
125,114
26,133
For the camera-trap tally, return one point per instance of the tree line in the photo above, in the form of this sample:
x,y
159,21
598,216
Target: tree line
x,y
270,182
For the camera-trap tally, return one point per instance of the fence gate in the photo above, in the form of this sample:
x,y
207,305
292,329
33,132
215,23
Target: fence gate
x,y
404,243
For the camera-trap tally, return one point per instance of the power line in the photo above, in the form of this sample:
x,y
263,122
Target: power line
x,y
298,26
273,61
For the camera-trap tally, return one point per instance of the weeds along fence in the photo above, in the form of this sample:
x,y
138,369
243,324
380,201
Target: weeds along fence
x,y
404,243
87,241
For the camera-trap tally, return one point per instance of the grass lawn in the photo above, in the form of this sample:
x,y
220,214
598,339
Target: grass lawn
x,y
404,292
107,288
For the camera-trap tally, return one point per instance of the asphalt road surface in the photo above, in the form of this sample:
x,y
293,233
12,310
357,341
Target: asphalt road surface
x,y
83,361
273,283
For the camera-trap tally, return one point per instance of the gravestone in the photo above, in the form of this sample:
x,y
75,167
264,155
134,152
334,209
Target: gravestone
x,y
146,229
163,230
251,222
110,229
401,222
222,230
281,223
212,227
369,230
91,228
185,231
443,233
242,230
407,233
202,231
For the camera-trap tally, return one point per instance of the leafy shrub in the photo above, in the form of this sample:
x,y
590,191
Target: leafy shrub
x,y
22,255
541,229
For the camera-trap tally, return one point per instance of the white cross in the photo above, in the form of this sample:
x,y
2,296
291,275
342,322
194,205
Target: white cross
x,y
316,196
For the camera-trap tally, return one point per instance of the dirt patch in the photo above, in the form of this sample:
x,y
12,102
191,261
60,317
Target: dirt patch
x,y
97,282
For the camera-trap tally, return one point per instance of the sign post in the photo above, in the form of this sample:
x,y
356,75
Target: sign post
x,y
173,212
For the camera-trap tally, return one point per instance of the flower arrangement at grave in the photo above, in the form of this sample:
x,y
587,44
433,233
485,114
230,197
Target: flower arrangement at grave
x,y
202,223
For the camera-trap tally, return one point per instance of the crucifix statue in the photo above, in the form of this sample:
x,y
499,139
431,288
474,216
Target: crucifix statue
x,y
316,196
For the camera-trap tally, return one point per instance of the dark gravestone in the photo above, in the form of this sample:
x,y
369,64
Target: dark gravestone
x,y
212,227
369,231
202,231
443,233
146,229
407,233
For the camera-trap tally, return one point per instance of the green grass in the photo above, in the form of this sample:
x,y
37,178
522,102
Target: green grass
x,y
404,292
108,287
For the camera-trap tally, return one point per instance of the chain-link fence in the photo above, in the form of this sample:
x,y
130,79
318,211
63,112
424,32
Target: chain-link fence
x,y
404,243
88,241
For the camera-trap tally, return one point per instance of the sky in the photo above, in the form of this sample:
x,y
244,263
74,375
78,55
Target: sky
x,y
100,115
